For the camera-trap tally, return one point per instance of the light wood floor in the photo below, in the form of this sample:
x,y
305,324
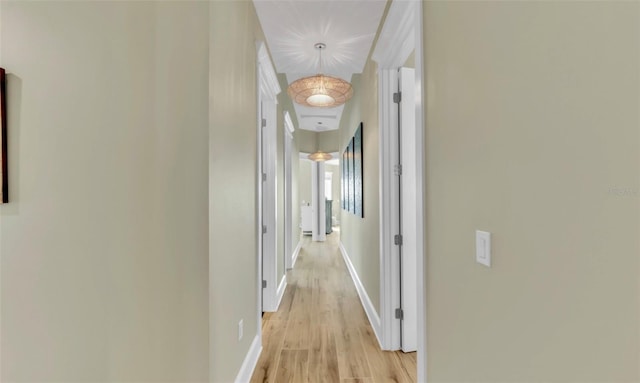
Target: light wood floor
x,y
321,332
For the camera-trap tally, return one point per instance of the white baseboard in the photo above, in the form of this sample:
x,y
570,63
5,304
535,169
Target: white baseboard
x,y
373,316
296,252
250,361
280,293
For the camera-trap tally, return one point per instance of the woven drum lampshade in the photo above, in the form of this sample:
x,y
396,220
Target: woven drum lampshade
x,y
320,91
320,156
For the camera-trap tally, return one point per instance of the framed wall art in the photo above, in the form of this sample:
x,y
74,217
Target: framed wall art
x,y
353,175
349,183
4,180
358,173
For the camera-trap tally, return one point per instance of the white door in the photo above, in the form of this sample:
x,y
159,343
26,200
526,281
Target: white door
x,y
269,206
288,215
317,202
263,202
408,141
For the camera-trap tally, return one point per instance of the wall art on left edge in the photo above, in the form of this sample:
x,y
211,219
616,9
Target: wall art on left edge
x,y
4,180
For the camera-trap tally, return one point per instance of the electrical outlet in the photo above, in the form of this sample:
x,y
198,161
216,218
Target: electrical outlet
x,y
240,329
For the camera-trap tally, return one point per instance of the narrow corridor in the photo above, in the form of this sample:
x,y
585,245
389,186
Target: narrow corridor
x,y
321,332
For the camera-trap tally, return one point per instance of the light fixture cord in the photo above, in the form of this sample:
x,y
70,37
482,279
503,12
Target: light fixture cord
x,y
322,89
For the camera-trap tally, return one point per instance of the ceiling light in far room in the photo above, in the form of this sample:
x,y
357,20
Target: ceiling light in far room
x,y
320,90
320,156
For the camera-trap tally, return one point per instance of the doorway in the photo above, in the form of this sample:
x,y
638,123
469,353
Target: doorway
x,y
268,89
402,306
409,236
288,192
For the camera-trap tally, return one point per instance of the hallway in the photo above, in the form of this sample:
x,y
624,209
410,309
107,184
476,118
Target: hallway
x,y
321,332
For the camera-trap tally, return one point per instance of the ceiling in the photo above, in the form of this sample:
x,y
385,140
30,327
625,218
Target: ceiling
x,y
292,27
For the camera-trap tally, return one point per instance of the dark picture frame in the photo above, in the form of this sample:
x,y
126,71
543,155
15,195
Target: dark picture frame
x,y
4,180
358,173
343,188
349,180
352,184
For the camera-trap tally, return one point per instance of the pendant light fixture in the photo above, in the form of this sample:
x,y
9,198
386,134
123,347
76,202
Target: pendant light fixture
x,y
320,156
320,90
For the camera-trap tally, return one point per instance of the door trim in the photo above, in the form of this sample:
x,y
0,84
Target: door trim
x,y
389,217
410,213
401,34
268,88
288,190
318,233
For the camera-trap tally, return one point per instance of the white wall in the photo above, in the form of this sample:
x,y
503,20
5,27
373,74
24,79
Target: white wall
x,y
306,139
304,181
103,247
328,141
532,133
335,192
356,233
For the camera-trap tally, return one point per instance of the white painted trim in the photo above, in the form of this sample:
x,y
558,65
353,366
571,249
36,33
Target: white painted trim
x,y
250,361
258,228
389,216
397,39
270,207
267,163
314,202
410,213
374,319
281,289
268,79
401,34
288,123
288,189
296,252
318,207
420,181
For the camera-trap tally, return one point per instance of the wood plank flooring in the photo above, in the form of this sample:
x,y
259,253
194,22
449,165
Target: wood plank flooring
x,y
321,332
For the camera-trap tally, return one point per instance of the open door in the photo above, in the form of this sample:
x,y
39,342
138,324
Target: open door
x,y
267,193
399,40
269,207
408,141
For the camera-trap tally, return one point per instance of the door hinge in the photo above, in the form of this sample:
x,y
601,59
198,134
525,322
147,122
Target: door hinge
x,y
399,314
264,284
397,170
264,229
264,122
264,176
397,97
397,239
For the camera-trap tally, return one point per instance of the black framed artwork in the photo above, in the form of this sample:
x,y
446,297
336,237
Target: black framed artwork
x,y
353,175
349,183
4,180
358,174
343,190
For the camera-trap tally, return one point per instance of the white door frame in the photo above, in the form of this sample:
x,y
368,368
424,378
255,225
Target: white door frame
x,y
401,34
288,207
268,89
318,207
410,225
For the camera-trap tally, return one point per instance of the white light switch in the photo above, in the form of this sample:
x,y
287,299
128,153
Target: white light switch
x,y
483,248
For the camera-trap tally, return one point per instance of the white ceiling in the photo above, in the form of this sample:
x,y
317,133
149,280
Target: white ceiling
x,y
292,27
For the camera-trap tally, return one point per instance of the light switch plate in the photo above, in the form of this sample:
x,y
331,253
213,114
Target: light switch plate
x,y
483,247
